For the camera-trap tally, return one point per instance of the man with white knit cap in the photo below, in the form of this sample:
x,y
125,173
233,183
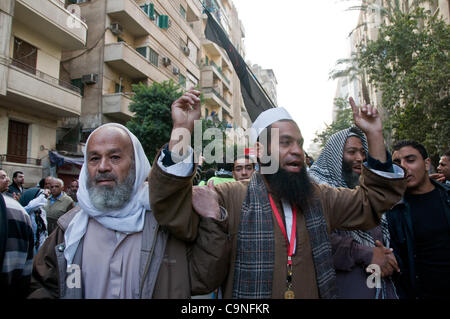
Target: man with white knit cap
x,y
112,246
280,221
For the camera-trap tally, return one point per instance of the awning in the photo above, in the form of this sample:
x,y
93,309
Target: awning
x,y
59,159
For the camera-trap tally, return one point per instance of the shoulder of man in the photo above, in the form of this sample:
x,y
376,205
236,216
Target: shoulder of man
x,y
64,220
16,211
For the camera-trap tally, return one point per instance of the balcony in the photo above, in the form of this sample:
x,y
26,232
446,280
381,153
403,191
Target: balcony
x,y
128,61
50,16
213,50
128,14
214,98
116,105
214,69
136,22
39,91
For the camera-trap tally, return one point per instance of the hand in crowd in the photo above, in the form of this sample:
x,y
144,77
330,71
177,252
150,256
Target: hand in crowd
x,y
16,196
385,258
366,117
438,177
205,201
186,110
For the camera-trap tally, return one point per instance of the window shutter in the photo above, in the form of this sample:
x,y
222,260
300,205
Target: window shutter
x,y
163,21
145,8
151,11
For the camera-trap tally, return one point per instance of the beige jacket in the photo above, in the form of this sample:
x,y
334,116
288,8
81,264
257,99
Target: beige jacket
x,y
360,208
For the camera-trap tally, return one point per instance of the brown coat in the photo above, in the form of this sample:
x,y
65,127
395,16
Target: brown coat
x,y
185,268
349,209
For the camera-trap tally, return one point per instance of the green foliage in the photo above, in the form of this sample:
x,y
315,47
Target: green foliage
x,y
152,122
409,64
344,119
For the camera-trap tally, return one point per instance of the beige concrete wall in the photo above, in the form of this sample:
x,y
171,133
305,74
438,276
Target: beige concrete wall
x,y
48,55
42,131
90,62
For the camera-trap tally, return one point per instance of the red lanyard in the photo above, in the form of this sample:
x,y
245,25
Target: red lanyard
x,y
291,244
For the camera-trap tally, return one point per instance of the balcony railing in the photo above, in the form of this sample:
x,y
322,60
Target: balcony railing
x,y
44,76
19,159
213,90
219,69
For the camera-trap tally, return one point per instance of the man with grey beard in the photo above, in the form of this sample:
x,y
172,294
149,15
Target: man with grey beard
x,y
340,165
112,246
108,197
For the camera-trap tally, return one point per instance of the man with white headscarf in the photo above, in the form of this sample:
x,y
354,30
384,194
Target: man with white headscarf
x,y
112,246
339,165
279,221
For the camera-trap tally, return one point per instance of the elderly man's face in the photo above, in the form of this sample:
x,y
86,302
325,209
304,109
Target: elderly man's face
x,y
110,165
55,188
4,181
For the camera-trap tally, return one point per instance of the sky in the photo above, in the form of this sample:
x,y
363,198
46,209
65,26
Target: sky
x,y
301,41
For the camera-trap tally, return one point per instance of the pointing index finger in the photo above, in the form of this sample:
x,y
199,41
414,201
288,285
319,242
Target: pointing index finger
x,y
353,105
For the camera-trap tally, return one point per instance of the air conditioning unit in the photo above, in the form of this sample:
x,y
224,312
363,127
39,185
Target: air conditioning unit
x,y
175,70
166,61
116,28
89,78
186,50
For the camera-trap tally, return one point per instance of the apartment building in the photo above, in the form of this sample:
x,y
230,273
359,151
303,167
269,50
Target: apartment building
x,y
369,22
33,96
219,82
268,81
129,41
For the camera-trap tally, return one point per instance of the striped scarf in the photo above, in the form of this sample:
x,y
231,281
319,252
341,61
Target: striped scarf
x,y
328,170
253,269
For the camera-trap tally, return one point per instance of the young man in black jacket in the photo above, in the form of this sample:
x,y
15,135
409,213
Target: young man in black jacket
x,y
420,228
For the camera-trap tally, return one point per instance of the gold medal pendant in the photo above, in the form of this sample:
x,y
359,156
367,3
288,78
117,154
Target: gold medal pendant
x,y
289,294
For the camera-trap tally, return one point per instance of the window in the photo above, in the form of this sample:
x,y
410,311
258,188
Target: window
x,y
118,88
79,84
77,1
153,57
156,17
149,10
182,12
182,80
163,21
25,55
142,51
17,142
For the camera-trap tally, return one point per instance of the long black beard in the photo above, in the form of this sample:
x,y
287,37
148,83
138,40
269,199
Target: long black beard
x,y
294,187
349,176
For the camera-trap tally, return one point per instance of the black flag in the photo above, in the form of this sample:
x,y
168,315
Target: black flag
x,y
255,99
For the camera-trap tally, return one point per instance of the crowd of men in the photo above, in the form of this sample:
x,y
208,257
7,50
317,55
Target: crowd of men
x,y
310,229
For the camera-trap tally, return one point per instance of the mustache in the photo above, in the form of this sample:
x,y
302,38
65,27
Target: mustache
x,y
105,176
